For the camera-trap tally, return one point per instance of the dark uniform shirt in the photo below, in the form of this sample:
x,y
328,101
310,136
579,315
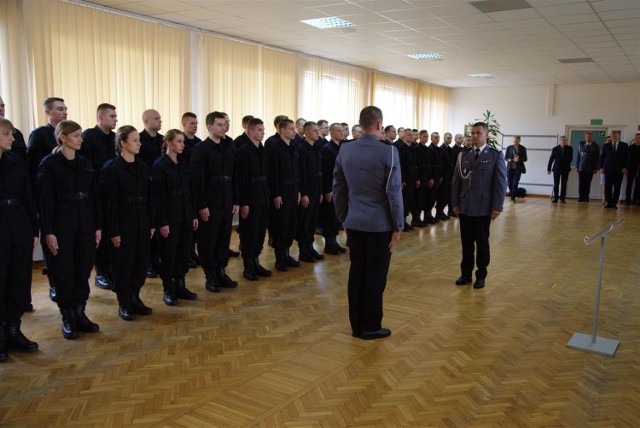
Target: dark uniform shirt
x,y
311,183
151,147
251,175
284,169
436,162
423,162
212,175
19,147
447,162
41,142
275,137
408,165
189,145
171,187
455,151
98,147
241,141
68,195
125,191
329,153
18,220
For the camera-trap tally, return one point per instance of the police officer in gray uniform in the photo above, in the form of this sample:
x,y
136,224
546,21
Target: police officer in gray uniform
x,y
477,197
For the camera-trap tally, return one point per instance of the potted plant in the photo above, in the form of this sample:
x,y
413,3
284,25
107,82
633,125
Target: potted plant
x,y
494,129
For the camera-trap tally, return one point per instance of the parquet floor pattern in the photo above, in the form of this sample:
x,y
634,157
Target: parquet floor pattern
x,y
279,352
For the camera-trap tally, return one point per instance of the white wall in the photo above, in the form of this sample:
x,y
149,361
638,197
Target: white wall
x,y
549,109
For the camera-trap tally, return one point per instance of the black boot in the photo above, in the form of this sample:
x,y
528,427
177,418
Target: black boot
x,y
249,271
103,281
224,279
4,352
305,254
259,269
169,296
139,308
316,255
281,263
69,323
182,292
212,281
125,308
290,261
330,246
84,323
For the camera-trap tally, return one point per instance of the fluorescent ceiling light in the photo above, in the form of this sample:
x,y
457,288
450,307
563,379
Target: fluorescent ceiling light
x,y
488,6
575,60
483,75
431,55
329,22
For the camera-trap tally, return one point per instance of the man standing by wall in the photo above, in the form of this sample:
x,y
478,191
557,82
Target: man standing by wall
x,y
368,200
587,165
560,164
614,162
477,197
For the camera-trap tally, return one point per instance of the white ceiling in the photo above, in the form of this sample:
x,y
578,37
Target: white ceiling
x,y
521,47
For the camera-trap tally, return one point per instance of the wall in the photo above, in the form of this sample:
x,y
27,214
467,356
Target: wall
x,y
549,109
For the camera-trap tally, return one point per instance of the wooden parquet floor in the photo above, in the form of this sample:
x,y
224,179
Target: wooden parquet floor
x,y
279,352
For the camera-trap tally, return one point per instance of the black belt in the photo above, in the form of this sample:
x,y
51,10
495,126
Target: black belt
x,y
78,196
260,179
180,192
134,199
10,202
220,178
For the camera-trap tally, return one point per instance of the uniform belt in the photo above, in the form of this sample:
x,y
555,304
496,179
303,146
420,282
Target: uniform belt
x,y
260,179
180,192
77,196
10,202
134,199
220,178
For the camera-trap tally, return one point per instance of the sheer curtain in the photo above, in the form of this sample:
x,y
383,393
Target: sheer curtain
x,y
331,91
279,86
396,97
89,57
433,108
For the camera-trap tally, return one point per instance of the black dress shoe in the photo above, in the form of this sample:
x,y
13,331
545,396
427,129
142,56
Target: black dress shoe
x,y
563,201
224,279
151,272
378,334
408,227
479,283
126,313
331,249
233,253
463,280
103,282
417,223
169,299
316,255
355,334
341,248
554,200
291,262
139,308
307,257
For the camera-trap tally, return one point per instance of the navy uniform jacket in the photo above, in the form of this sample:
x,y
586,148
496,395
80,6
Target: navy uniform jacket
x,y
172,198
241,140
151,147
189,145
19,147
588,157
284,169
18,219
408,167
68,195
367,186
124,187
614,161
447,162
212,175
560,159
479,186
41,142
423,162
98,147
435,161
310,170
329,154
251,175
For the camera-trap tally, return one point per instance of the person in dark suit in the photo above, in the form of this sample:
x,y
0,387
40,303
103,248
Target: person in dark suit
x,y
614,163
175,217
444,195
71,223
587,165
435,159
477,197
18,237
125,191
18,146
189,128
367,193
423,175
633,195
560,164
516,156
327,212
408,169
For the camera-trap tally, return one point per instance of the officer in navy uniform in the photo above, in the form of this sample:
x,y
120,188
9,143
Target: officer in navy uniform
x,y
410,181
436,175
560,164
212,164
125,190
251,175
71,223
330,224
18,236
477,197
587,165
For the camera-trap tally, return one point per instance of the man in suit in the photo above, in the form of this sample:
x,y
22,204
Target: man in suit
x,y
477,197
560,163
367,192
587,165
634,162
516,156
614,162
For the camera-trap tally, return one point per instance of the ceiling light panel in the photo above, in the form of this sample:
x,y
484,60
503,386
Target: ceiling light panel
x,y
328,22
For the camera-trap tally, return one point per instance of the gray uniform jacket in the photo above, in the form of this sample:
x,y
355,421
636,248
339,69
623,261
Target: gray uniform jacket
x,y
479,186
367,186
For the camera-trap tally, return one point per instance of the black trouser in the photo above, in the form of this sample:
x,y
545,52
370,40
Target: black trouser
x,y
175,250
307,221
15,277
102,258
584,184
330,225
474,234
419,199
370,256
71,267
254,229
444,194
432,197
612,185
214,237
129,263
560,180
513,177
284,222
407,197
631,178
